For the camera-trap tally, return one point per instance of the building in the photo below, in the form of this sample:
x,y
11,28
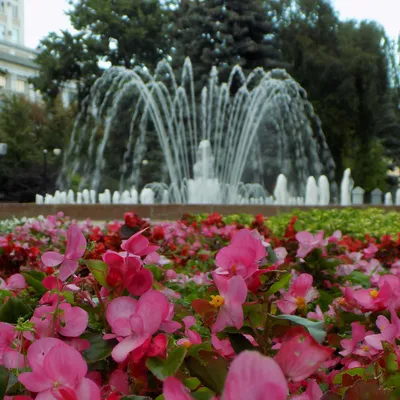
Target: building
x,y
17,61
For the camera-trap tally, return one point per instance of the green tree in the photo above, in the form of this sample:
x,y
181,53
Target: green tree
x,y
121,33
223,33
344,68
28,128
67,57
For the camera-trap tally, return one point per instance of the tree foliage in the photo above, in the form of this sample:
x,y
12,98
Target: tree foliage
x,y
28,128
121,33
223,34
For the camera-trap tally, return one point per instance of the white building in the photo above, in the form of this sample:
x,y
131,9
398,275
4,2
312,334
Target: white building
x,y
17,61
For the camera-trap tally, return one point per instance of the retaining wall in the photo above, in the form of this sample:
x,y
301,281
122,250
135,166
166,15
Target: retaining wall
x,y
158,212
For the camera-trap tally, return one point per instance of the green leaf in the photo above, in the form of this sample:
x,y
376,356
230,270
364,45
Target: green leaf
x,y
359,278
284,281
325,300
298,226
192,383
157,272
203,394
35,283
69,296
14,309
193,351
99,349
337,380
272,258
211,370
239,342
99,270
39,276
316,329
4,294
163,368
4,377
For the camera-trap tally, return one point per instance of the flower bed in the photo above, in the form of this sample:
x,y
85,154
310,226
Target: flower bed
x,y
206,307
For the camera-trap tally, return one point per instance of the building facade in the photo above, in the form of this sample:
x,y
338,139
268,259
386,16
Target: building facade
x,y
16,60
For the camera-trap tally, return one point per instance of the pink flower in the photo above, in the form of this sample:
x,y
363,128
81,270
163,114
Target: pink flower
x,y
388,333
139,245
318,315
357,335
301,355
241,257
127,270
223,346
300,293
370,251
251,376
76,246
168,325
313,392
233,293
336,236
9,356
309,242
66,320
373,299
192,336
135,321
14,282
281,254
119,380
58,372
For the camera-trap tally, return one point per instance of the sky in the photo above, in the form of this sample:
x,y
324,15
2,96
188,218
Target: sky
x,y
44,16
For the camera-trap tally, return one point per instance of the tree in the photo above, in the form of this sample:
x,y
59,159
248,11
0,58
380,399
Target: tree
x,y
121,33
224,34
28,129
64,58
344,68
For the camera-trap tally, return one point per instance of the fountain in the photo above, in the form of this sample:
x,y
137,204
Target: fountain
x,y
134,125
346,187
311,192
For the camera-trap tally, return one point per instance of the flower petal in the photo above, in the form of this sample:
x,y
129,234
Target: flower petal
x,y
122,349
68,268
253,376
174,389
87,390
65,365
52,258
35,381
76,243
120,308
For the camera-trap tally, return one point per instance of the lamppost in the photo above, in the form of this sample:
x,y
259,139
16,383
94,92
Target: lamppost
x,y
3,152
56,152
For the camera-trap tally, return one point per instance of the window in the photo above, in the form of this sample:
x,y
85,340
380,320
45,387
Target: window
x,y
2,32
20,86
15,11
3,81
15,35
2,8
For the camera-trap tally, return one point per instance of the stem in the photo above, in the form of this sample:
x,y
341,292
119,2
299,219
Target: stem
x,y
267,328
102,306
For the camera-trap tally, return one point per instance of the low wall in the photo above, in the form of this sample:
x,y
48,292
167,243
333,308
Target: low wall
x,y
158,212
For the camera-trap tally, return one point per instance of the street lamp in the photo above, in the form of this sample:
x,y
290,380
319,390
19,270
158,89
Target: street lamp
x,y
3,152
3,149
56,152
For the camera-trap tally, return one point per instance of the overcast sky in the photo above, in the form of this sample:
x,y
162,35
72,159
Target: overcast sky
x,y
44,16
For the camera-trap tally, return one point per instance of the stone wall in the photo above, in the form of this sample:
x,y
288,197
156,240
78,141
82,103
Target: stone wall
x,y
157,212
